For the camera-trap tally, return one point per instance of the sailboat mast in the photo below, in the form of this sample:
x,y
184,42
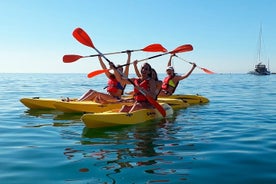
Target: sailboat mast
x,y
260,44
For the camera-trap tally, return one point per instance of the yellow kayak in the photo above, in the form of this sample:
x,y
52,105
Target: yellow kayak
x,y
115,118
39,103
190,99
87,106
176,101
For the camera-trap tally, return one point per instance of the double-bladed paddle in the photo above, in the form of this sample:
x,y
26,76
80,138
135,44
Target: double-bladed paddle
x,y
203,69
83,38
182,48
156,47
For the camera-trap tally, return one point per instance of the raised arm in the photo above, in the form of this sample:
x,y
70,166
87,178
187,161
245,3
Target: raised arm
x,y
119,77
126,71
108,74
181,77
136,68
170,60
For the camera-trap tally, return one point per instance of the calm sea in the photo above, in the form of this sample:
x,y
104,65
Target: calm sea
x,y
230,140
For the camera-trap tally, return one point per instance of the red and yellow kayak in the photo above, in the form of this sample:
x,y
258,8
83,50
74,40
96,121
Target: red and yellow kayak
x,y
116,118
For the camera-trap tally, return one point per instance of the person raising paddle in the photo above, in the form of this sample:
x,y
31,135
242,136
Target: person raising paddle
x,y
154,76
144,83
114,88
171,81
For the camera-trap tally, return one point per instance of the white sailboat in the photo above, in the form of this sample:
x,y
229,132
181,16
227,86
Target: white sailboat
x,y
260,68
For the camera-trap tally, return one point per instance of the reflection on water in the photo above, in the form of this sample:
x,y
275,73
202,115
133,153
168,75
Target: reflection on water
x,y
60,118
115,150
41,113
138,147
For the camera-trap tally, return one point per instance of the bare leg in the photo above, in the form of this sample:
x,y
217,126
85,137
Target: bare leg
x,y
141,105
136,106
125,108
88,95
106,98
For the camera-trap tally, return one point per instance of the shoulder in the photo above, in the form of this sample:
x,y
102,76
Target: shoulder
x,y
178,78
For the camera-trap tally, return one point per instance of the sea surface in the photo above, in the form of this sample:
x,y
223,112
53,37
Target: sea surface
x,y
232,139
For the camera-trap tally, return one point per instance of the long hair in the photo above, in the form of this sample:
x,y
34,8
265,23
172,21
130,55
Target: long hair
x,y
150,69
153,72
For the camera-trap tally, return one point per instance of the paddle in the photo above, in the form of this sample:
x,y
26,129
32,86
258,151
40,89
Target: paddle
x,y
83,38
182,48
156,47
204,69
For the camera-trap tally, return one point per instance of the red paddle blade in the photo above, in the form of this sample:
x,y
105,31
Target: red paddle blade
x,y
182,48
156,105
71,58
156,47
83,37
96,72
207,71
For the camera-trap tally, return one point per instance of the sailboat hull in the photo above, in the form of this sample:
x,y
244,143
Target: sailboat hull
x,y
258,73
260,69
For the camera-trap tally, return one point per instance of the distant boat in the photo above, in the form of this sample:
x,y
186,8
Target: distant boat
x,y
260,69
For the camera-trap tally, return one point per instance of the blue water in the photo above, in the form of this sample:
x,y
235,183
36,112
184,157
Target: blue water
x,y
230,140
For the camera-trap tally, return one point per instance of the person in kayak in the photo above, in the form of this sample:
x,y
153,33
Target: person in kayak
x,y
171,81
154,76
114,88
143,83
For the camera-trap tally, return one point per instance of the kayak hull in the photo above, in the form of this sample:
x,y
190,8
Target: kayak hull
x,y
190,99
176,101
115,118
39,103
87,106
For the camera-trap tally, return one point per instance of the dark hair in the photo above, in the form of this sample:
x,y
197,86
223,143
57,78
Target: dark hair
x,y
112,76
156,76
150,69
